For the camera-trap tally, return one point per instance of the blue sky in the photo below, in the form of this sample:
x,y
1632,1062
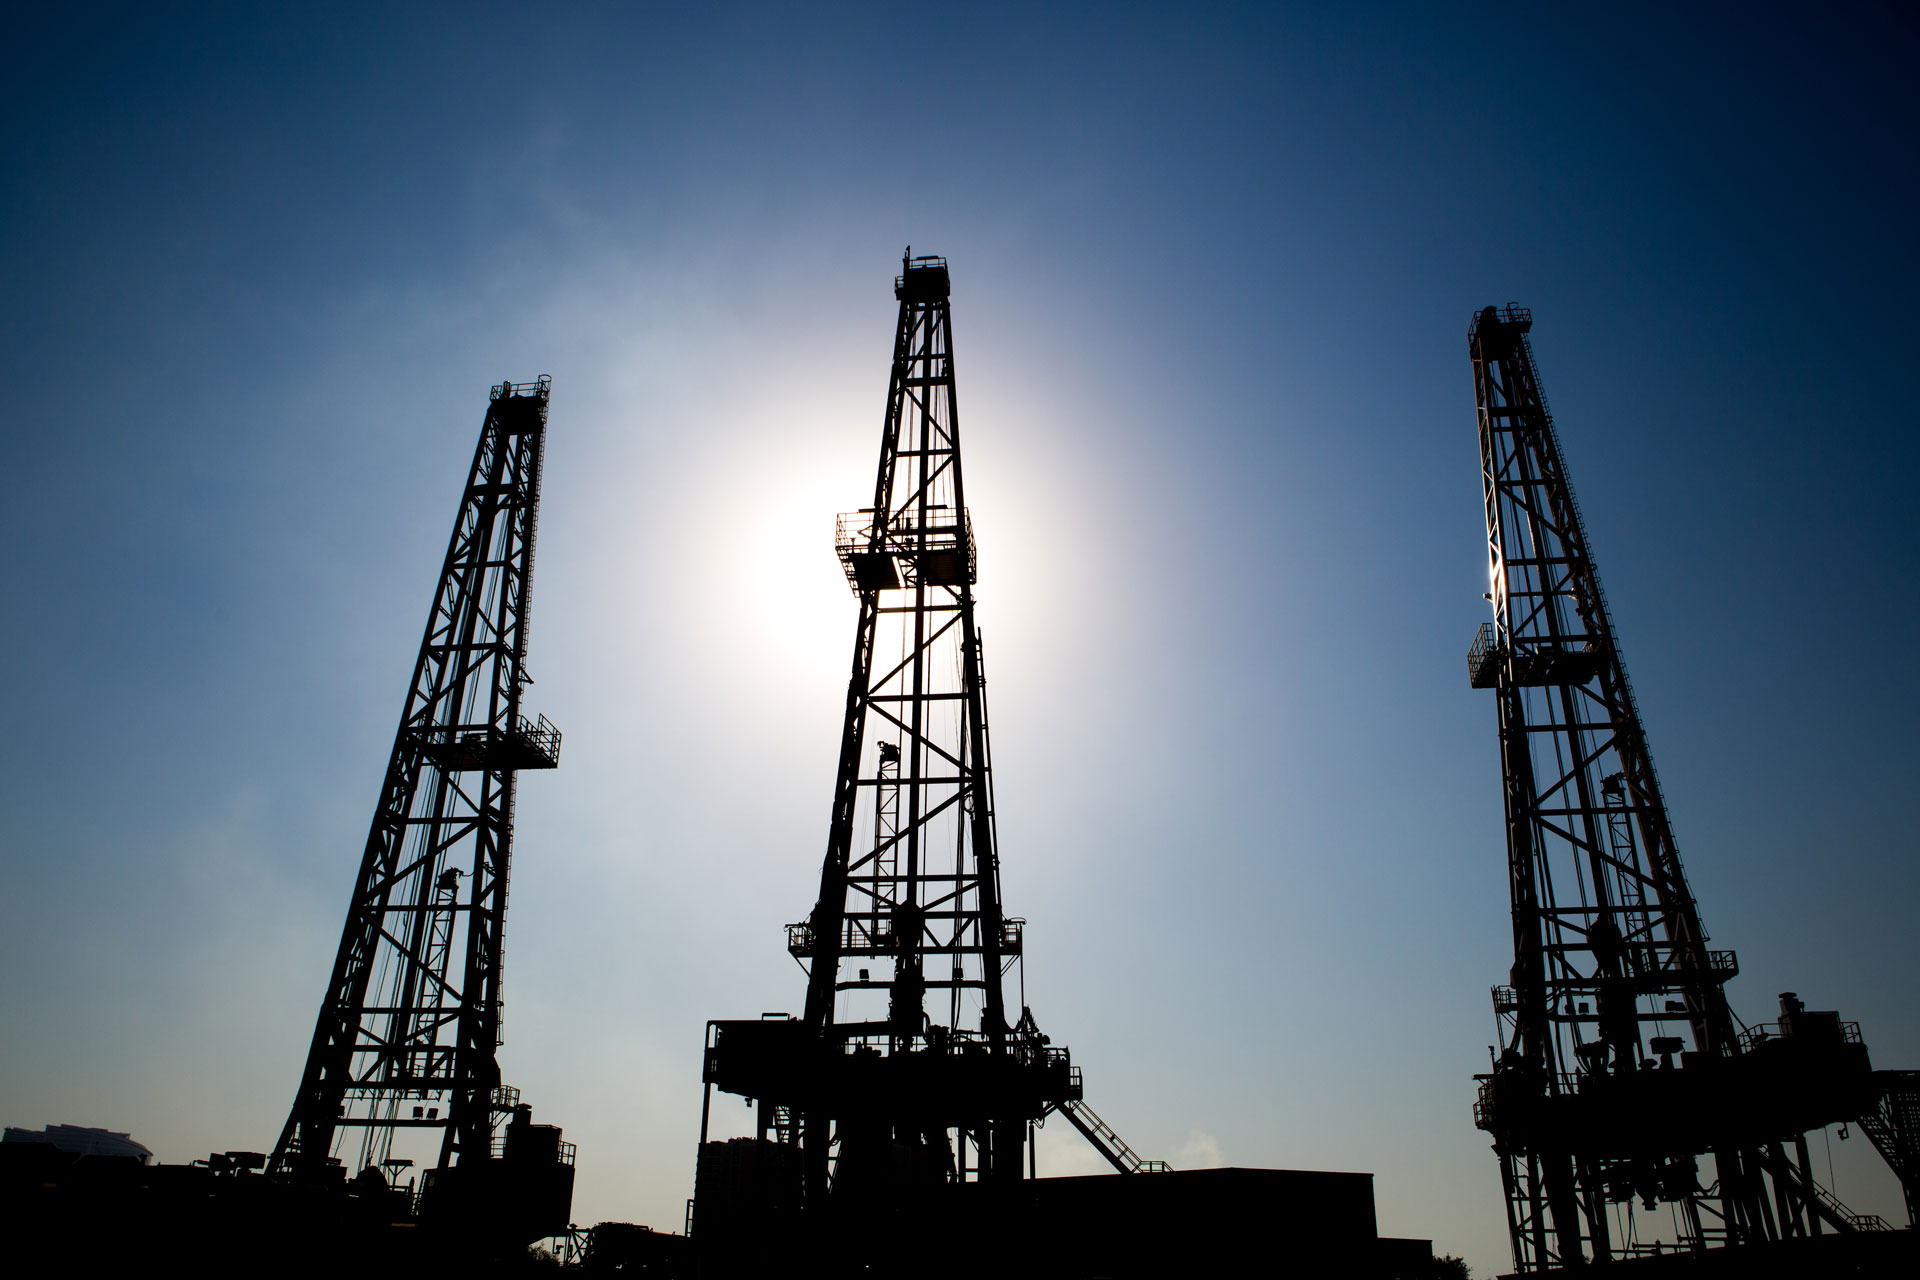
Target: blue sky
x,y
1213,268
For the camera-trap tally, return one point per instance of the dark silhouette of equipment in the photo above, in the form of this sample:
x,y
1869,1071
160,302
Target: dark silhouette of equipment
x,y
1620,1064
406,1038
905,1073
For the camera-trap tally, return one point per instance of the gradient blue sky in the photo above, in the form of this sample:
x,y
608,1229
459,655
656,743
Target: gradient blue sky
x,y
1213,268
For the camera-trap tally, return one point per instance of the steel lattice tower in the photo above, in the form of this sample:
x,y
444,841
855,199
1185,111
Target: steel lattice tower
x,y
905,1068
1620,1063
412,1014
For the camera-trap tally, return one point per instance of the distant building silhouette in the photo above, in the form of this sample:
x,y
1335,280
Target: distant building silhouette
x,y
82,1141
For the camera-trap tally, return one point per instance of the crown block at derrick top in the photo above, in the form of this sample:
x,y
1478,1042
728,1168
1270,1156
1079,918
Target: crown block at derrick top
x,y
924,280
519,408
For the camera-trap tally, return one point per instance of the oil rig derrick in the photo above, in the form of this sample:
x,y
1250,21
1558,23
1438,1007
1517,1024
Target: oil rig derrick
x,y
908,1071
402,1069
1621,1067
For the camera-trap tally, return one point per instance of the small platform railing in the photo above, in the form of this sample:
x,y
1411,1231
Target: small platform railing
x,y
1512,313
1478,653
530,744
1829,1032
935,547
861,935
538,388
540,736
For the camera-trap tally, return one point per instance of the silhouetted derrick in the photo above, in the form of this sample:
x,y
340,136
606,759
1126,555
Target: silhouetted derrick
x,y
894,1117
906,1071
1621,1067
405,1043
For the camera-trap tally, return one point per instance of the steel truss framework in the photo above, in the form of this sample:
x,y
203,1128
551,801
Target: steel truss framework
x,y
411,1018
905,1066
1620,1064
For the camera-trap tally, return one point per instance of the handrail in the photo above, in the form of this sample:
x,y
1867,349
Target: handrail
x,y
538,388
1770,1032
855,530
1106,1141
1512,313
1478,652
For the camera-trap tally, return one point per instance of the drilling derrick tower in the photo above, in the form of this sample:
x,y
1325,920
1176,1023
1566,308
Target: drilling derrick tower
x,y
908,1070
402,1067
1621,1067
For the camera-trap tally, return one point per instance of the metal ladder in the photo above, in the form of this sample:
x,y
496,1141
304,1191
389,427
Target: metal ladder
x,y
1106,1141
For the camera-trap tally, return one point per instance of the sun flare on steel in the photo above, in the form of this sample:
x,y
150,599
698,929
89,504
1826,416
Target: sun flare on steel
x,y
404,1047
1620,1065
909,1066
